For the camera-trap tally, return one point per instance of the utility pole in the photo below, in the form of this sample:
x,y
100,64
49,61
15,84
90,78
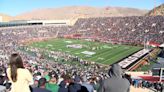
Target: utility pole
x,y
144,43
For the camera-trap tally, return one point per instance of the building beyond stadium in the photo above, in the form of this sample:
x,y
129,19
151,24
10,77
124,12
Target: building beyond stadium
x,y
36,22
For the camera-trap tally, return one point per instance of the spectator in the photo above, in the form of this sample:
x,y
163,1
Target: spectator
x,y
115,83
41,86
19,77
76,85
63,87
52,84
86,83
65,83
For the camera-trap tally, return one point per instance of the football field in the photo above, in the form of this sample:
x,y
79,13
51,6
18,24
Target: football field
x,y
102,53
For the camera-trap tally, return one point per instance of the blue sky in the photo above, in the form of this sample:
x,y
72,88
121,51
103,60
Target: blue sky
x,y
15,7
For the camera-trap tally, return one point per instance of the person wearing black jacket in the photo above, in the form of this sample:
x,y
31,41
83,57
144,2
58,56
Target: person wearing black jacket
x,y
41,86
63,87
76,86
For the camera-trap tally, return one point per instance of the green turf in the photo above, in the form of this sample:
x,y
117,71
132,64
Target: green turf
x,y
106,54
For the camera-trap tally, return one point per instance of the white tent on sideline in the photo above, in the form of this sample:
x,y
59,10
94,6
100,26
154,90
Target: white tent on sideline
x,y
162,45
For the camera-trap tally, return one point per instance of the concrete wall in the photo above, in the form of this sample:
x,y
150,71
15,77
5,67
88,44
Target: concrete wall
x,y
51,22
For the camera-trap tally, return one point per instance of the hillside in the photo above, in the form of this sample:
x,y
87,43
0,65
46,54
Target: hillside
x,y
158,11
72,12
5,17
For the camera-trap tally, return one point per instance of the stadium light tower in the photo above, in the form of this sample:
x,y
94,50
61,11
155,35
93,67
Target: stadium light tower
x,y
146,40
144,43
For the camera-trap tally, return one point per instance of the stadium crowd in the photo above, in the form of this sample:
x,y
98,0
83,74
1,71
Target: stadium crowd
x,y
126,30
156,86
58,77
37,65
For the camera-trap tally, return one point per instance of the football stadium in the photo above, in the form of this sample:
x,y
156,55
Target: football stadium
x,y
83,49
